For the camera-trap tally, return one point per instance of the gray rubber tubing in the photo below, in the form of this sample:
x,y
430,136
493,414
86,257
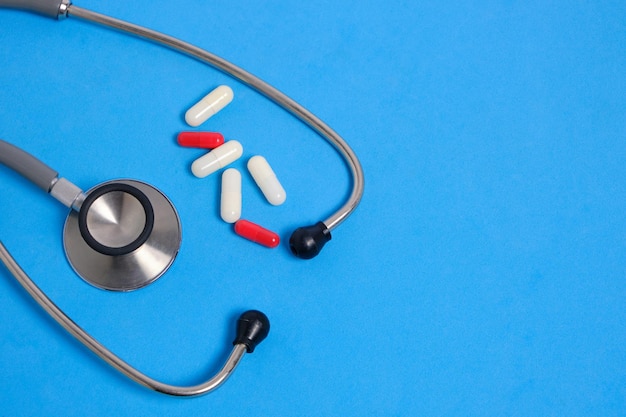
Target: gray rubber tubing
x,y
27,165
46,7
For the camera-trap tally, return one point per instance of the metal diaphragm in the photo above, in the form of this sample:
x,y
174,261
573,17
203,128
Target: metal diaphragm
x,y
124,237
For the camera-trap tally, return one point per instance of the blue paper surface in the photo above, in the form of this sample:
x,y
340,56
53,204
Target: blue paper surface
x,y
484,272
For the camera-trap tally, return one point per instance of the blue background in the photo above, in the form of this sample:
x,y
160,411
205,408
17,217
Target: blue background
x,y
484,272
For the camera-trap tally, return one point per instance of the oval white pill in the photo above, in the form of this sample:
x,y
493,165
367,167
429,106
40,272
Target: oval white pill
x,y
230,204
217,158
213,102
266,180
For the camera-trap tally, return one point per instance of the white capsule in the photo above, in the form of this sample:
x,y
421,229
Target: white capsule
x,y
217,158
230,204
213,102
266,180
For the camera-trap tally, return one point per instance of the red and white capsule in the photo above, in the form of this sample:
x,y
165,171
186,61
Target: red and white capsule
x,y
204,140
256,233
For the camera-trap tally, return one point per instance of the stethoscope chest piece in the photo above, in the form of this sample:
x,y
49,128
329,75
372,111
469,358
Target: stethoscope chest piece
x,y
124,237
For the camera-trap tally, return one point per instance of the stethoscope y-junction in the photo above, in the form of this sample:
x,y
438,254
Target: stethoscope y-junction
x,y
124,234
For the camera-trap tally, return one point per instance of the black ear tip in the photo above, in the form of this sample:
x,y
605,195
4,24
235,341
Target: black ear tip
x,y
252,328
307,242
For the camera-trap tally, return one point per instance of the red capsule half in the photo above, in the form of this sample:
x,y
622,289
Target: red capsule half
x,y
256,233
205,140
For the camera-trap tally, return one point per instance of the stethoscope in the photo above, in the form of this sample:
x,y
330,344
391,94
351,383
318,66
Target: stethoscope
x,y
124,234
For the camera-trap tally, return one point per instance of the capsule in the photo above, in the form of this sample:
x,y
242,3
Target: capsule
x,y
256,233
204,140
213,102
266,180
230,202
217,158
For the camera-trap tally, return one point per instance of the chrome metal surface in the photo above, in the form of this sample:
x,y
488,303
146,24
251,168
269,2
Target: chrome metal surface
x,y
116,219
105,354
133,270
63,8
65,192
260,86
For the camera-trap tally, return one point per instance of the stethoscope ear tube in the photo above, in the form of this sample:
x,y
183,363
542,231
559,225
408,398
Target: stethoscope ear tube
x,y
252,328
306,243
51,8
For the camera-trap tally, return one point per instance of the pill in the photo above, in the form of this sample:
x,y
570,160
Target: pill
x,y
266,180
230,202
217,158
213,102
205,140
256,233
